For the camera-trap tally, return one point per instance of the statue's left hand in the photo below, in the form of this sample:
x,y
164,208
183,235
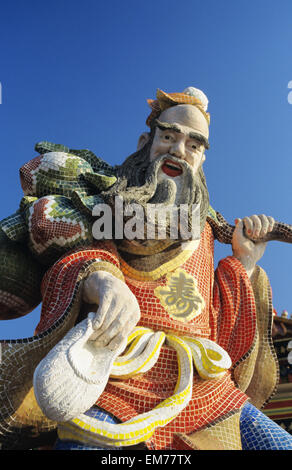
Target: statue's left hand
x,y
249,252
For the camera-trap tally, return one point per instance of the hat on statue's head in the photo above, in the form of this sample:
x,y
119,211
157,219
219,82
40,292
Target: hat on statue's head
x,y
190,95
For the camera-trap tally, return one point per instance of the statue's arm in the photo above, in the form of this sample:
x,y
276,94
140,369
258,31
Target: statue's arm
x,y
249,252
250,372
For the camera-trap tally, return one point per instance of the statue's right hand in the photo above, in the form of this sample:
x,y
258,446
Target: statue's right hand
x,y
118,311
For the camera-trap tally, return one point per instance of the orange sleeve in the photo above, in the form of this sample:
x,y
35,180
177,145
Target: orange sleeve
x,y
63,279
234,304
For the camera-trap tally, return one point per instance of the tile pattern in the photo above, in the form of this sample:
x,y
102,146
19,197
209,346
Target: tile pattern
x,y
55,217
224,434
55,227
57,209
210,361
223,231
258,375
95,413
20,279
232,304
14,227
20,416
61,171
96,162
243,429
54,173
258,432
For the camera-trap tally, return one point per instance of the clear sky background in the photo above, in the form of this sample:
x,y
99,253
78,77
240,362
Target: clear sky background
x,y
79,73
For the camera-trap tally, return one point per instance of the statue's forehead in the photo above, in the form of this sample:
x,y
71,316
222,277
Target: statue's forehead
x,y
186,116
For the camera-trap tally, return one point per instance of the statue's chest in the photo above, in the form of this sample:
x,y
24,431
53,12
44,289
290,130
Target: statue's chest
x,y
180,300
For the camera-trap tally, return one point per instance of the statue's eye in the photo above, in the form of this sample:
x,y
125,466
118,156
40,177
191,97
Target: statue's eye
x,y
167,137
193,145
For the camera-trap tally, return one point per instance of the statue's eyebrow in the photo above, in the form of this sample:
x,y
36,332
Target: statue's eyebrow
x,y
164,126
200,138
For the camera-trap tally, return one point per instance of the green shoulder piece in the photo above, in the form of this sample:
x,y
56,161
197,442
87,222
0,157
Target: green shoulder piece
x,y
59,170
97,164
45,147
15,227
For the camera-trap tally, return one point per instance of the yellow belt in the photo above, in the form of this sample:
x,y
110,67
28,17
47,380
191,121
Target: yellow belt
x,y
210,360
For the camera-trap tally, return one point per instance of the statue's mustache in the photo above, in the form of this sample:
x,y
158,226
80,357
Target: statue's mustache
x,y
143,181
156,164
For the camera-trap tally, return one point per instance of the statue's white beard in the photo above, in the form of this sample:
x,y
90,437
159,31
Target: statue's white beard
x,y
167,193
178,181
148,184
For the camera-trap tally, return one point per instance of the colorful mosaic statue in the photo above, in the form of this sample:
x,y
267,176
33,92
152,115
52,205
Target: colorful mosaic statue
x,y
141,343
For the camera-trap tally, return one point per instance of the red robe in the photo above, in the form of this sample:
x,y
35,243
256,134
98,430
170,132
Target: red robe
x,y
229,319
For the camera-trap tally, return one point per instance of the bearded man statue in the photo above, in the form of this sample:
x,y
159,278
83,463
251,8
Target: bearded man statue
x,y
140,344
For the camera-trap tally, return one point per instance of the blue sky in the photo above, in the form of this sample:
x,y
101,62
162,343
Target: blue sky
x,y
79,73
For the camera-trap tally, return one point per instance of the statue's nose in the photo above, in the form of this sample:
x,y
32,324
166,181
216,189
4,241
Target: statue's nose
x,y
178,149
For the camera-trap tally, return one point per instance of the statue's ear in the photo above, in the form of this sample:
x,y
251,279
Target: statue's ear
x,y
143,139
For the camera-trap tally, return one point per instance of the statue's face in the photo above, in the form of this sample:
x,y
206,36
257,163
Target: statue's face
x,y
166,169
179,135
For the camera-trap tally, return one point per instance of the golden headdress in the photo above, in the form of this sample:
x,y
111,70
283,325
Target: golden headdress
x,y
190,95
